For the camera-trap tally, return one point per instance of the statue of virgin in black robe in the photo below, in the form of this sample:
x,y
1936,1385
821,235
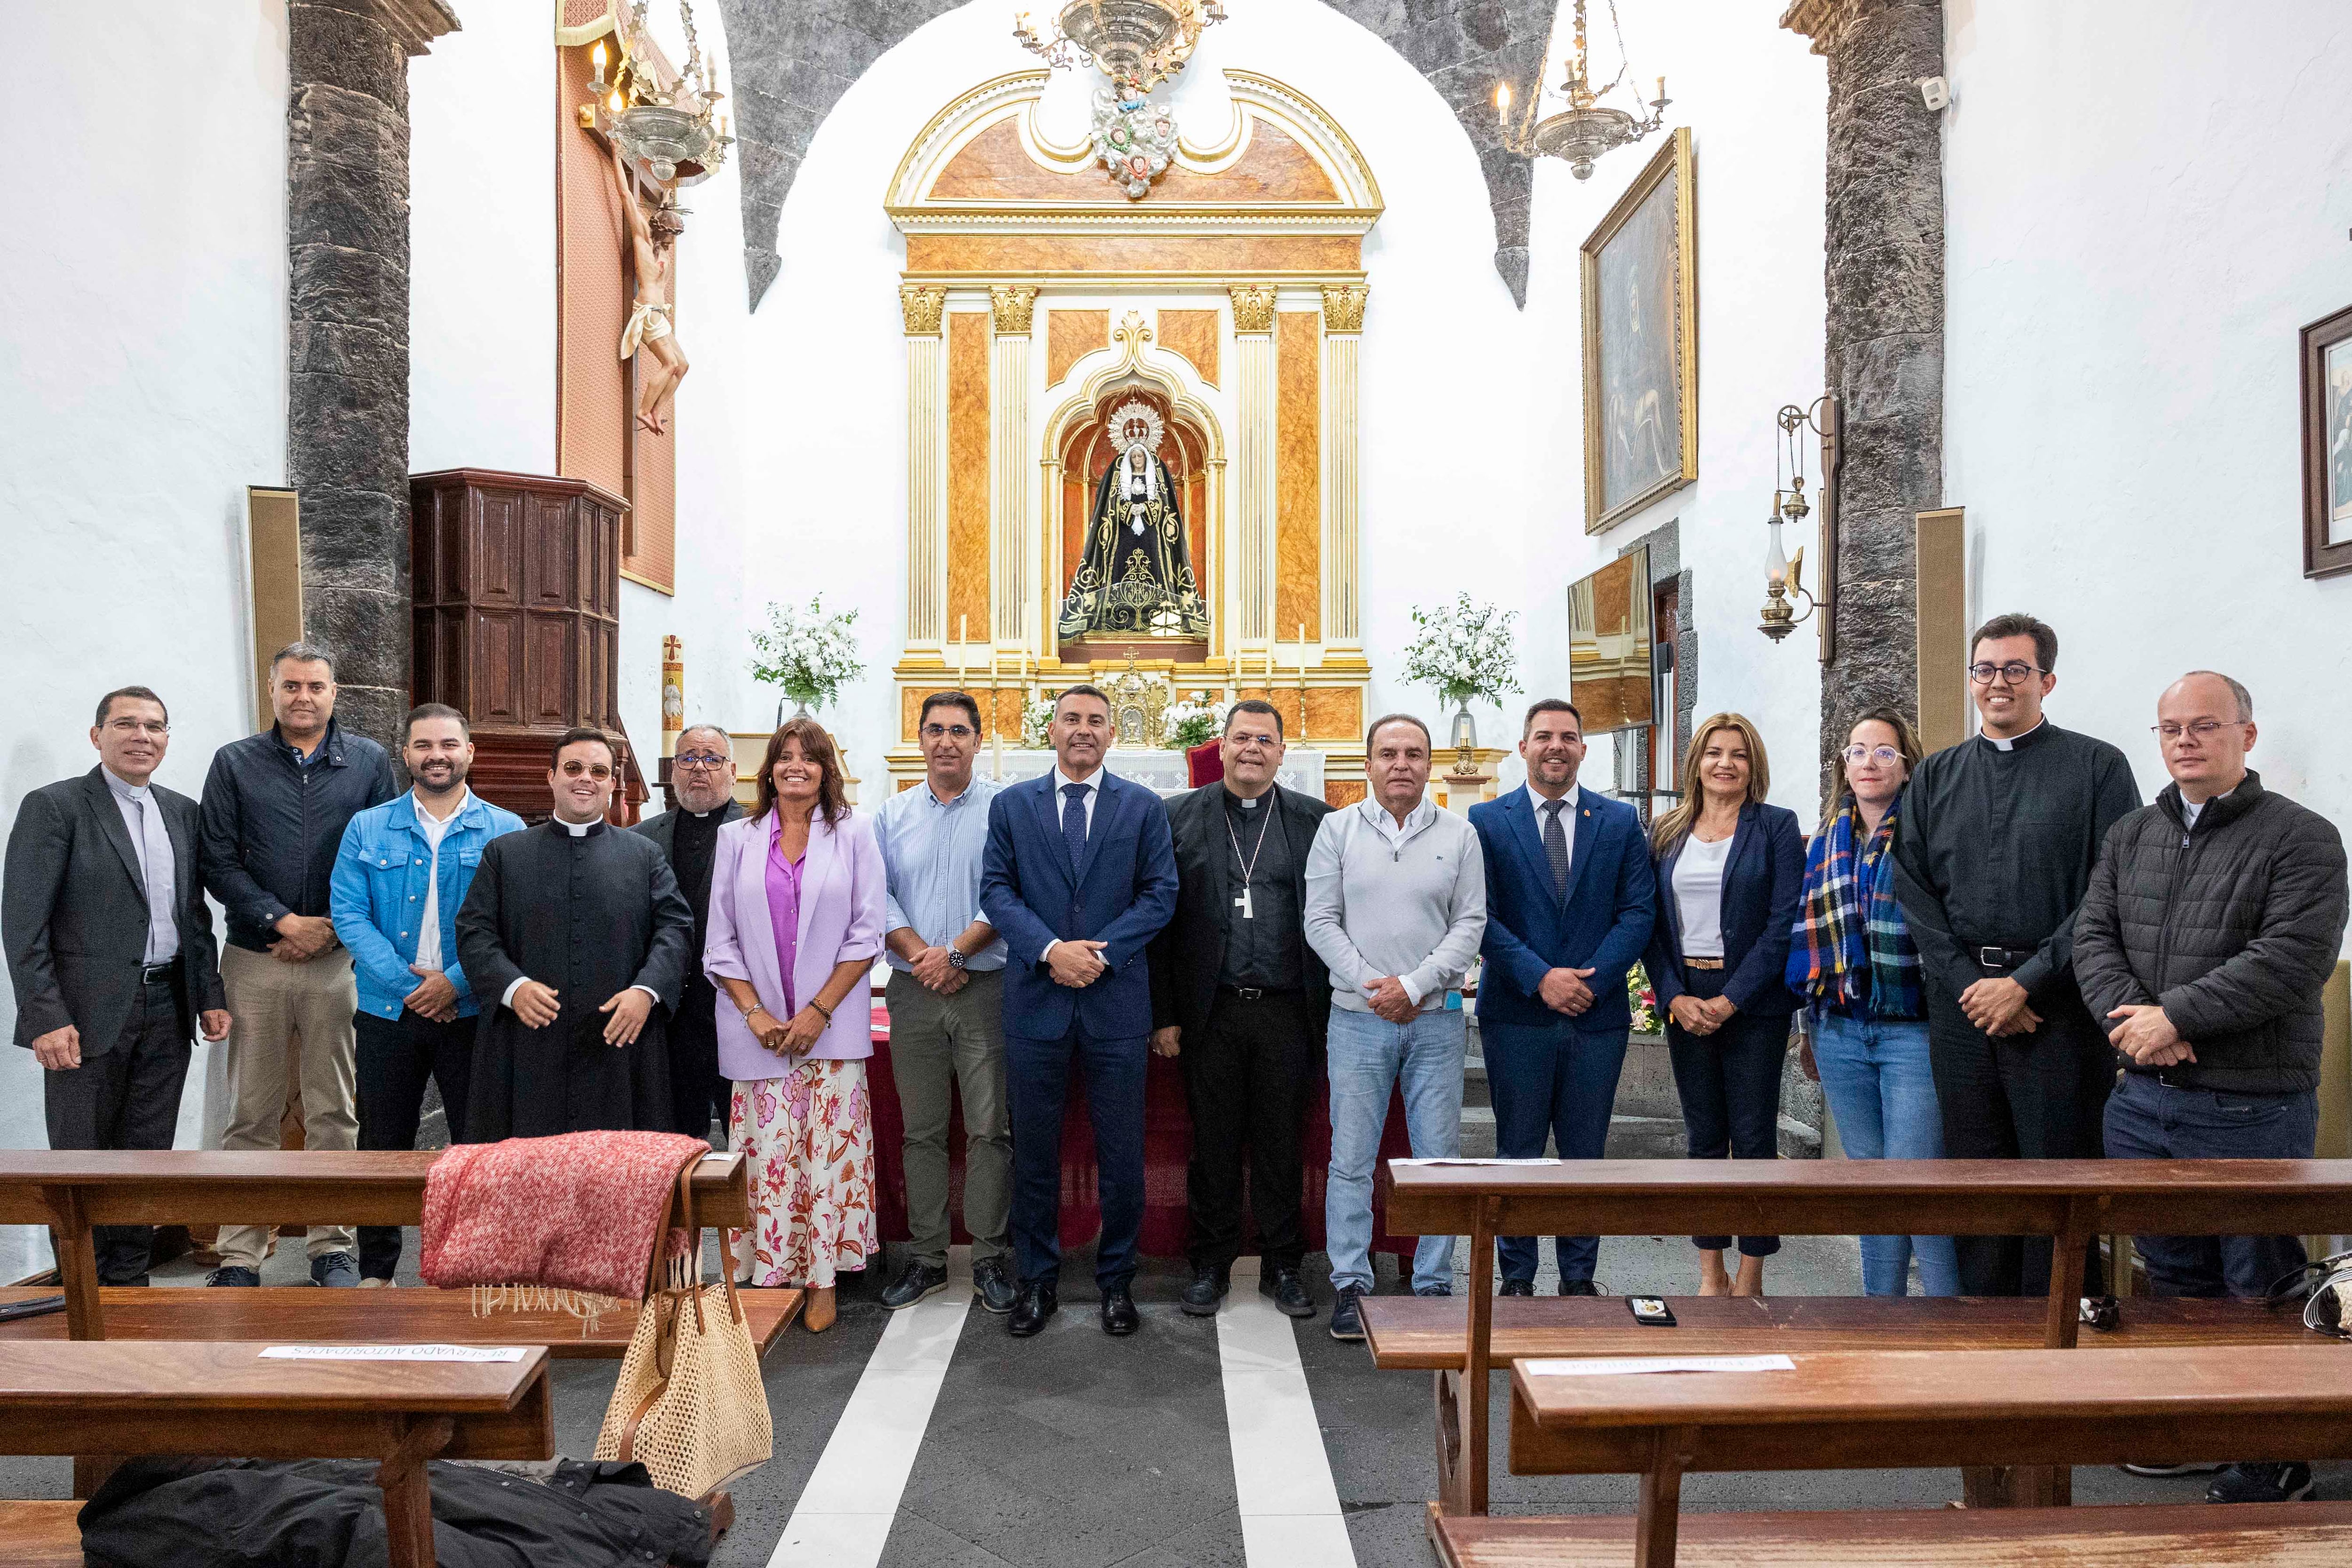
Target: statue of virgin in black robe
x,y
1136,577
591,915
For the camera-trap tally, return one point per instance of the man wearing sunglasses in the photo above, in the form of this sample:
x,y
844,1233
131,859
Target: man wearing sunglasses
x,y
2212,924
1993,853
946,997
702,782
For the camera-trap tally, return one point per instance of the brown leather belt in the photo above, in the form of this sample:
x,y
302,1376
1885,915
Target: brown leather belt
x,y
1701,964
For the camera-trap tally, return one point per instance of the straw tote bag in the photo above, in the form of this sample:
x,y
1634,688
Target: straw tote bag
x,y
689,1405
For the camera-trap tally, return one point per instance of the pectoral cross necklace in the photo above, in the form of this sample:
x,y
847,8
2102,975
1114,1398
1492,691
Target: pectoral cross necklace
x,y
1245,904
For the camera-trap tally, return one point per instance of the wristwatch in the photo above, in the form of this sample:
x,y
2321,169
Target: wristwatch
x,y
956,960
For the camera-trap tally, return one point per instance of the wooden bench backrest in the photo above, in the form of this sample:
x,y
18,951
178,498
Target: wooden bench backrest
x,y
2069,1200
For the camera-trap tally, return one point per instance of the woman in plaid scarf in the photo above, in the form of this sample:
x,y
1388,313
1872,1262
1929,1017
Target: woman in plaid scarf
x,y
1851,959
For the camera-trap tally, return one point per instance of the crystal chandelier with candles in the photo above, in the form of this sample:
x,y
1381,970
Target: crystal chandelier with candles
x,y
1586,128
672,126
1138,43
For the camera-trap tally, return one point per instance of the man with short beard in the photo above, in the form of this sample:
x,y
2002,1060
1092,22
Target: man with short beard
x,y
400,876
702,781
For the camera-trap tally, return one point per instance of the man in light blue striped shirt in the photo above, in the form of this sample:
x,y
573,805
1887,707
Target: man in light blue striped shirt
x,y
946,998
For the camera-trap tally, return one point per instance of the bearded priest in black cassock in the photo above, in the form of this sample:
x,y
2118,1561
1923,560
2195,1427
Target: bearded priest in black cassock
x,y
577,940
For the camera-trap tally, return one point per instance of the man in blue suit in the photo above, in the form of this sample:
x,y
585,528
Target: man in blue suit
x,y
1078,877
1569,903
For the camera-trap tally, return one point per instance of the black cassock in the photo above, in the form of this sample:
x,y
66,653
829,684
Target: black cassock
x,y
591,916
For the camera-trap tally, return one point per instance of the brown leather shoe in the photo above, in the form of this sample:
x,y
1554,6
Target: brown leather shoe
x,y
817,1310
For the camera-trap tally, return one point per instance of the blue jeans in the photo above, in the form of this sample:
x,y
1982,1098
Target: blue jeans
x,y
1550,1080
1875,1076
1037,1079
2149,1119
1367,1054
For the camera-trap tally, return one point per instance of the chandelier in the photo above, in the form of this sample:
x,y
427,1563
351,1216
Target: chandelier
x,y
1138,43
1587,128
671,125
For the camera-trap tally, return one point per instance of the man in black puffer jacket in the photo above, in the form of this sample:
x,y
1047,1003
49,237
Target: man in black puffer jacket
x,y
2213,918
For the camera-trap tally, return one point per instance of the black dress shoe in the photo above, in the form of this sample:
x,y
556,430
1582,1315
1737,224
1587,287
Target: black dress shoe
x,y
1118,1315
919,1280
1578,1288
1208,1288
1290,1297
1517,1288
1036,1308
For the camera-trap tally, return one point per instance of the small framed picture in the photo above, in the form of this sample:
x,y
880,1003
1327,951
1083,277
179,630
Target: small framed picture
x,y
2328,445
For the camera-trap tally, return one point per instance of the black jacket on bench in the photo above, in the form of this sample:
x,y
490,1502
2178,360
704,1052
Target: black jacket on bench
x,y
2232,927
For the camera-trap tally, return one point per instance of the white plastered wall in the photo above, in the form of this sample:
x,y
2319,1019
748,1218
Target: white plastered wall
x,y
2144,200
1756,101
142,388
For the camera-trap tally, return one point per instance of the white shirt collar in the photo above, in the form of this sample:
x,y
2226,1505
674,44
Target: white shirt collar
x,y
1063,781
577,829
426,818
1380,816
1568,802
2009,742
121,786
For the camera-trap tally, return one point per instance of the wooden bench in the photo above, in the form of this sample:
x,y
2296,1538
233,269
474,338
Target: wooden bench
x,y
1889,1409
2070,1200
162,1397
71,1191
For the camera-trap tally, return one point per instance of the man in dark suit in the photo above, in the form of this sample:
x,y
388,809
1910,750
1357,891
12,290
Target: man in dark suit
x,y
1078,877
702,777
1569,903
1239,996
111,947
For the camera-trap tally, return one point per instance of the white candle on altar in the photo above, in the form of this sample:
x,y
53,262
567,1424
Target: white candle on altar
x,y
995,722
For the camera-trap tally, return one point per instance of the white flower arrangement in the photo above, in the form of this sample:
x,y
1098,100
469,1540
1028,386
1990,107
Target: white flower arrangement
x,y
1466,652
1196,721
1035,717
807,654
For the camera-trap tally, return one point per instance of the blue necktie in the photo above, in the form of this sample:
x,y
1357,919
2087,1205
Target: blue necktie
x,y
1074,823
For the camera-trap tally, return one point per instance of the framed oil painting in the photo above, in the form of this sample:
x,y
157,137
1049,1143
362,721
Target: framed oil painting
x,y
1639,277
2328,445
1609,678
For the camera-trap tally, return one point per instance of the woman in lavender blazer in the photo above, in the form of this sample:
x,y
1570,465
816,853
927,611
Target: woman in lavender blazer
x,y
796,917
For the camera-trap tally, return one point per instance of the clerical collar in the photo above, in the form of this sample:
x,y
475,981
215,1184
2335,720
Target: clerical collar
x,y
2009,742
578,829
122,786
1245,802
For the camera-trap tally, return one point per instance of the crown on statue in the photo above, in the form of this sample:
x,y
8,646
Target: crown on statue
x,y
1131,411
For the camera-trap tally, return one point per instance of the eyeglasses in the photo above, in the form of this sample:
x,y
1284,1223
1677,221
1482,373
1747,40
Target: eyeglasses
x,y
703,760
152,728
2202,729
597,771
2014,672
947,731
1884,756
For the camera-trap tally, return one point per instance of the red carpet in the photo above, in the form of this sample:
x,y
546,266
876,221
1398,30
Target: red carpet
x,y
1167,1149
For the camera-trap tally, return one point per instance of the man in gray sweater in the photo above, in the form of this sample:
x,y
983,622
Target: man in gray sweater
x,y
1396,905
2210,923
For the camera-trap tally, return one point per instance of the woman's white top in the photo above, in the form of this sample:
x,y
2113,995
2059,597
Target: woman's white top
x,y
1698,895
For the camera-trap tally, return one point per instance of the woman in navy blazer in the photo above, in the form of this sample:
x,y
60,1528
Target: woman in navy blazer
x,y
1731,870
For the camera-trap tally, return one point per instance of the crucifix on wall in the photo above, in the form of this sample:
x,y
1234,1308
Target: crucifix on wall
x,y
652,251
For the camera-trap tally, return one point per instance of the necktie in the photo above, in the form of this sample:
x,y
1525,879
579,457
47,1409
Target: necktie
x,y
1074,822
1556,846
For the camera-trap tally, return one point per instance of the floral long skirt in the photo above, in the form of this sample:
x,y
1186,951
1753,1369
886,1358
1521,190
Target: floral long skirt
x,y
809,1137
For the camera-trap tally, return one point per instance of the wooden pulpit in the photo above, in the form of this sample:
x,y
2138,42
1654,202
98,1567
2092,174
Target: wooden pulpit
x,y
516,585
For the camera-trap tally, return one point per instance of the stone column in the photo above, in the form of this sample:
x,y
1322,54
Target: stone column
x,y
1253,347
1343,328
1011,309
1884,348
923,307
347,335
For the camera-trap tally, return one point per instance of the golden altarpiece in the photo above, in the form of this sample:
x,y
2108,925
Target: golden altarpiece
x,y
1203,339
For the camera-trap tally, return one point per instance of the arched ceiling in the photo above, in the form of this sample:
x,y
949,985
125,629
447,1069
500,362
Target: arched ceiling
x,y
791,64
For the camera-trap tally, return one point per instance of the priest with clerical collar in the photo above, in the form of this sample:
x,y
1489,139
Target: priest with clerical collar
x,y
581,935
1994,852
702,782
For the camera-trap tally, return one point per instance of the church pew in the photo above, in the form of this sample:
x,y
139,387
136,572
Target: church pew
x,y
71,1191
1889,1409
164,1397
2070,1200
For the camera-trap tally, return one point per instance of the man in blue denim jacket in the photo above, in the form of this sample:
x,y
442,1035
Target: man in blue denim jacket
x,y
399,878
